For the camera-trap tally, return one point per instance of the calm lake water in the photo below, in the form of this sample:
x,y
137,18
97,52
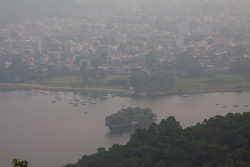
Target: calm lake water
x,y
46,128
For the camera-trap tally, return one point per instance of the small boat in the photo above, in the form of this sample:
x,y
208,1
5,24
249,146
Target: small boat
x,y
235,105
75,104
102,98
76,100
90,102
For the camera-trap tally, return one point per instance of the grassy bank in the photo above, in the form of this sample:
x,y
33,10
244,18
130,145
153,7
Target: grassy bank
x,y
58,88
183,85
76,81
218,83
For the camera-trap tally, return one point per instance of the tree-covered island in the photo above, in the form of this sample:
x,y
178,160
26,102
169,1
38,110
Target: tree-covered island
x,y
130,118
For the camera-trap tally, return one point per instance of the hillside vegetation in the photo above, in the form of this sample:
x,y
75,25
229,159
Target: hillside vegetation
x,y
216,142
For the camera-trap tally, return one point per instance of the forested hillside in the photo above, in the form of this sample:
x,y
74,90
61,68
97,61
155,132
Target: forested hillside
x,y
216,142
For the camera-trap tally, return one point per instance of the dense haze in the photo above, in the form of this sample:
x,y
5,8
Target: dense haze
x,y
112,49
15,11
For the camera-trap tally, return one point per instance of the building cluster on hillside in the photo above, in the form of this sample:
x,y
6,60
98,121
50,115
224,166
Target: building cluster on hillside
x,y
115,44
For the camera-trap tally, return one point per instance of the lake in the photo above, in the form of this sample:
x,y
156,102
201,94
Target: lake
x,y
52,129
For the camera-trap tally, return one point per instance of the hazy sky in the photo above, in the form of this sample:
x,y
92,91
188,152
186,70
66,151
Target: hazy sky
x,y
18,10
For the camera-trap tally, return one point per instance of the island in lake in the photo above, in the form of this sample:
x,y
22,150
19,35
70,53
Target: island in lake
x,y
130,118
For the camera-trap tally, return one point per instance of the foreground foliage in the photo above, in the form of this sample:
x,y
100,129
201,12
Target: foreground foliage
x,y
217,142
20,163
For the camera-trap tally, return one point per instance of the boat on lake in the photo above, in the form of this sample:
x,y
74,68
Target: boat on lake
x,y
75,104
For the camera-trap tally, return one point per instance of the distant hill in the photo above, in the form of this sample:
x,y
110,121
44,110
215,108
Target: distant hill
x,y
216,142
14,11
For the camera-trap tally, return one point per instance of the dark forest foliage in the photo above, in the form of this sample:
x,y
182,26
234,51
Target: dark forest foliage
x,y
216,142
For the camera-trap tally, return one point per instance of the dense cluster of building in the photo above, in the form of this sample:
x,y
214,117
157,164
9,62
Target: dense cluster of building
x,y
119,42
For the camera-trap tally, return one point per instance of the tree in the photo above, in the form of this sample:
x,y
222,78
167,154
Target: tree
x,y
85,75
19,163
16,72
51,71
150,60
158,81
185,61
117,82
139,81
241,66
160,164
161,81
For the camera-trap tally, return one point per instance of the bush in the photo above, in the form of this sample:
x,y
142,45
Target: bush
x,y
117,82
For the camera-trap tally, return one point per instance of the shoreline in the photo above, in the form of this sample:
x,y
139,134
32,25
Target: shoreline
x,y
55,88
109,90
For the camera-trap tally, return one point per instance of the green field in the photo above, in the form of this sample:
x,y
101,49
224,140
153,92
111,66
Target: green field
x,y
210,84
76,81
226,82
70,81
112,77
